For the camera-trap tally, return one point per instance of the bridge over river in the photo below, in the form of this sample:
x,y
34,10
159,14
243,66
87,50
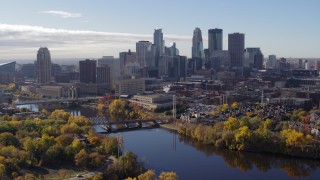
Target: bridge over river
x,y
53,101
116,126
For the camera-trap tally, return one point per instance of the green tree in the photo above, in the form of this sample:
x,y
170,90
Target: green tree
x,y
7,139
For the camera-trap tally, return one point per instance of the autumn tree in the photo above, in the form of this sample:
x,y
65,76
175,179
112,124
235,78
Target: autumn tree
x,y
148,175
231,124
168,176
119,110
7,139
82,158
59,114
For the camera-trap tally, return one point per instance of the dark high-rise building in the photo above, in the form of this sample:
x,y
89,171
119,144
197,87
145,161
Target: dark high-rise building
x,y
215,40
7,72
103,75
258,61
28,70
43,65
55,69
88,71
236,44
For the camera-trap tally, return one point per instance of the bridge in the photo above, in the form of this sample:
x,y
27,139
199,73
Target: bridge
x,y
52,101
117,126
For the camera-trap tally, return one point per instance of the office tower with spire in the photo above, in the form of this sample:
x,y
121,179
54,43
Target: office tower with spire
x,y
43,65
236,47
197,46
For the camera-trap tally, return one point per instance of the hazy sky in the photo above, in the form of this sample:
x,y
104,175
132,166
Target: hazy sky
x,y
93,28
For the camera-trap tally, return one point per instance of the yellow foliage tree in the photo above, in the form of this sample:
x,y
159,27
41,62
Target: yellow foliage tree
x,y
234,105
149,175
294,138
168,176
231,124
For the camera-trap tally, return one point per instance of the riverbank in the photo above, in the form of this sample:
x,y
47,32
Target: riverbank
x,y
171,127
284,143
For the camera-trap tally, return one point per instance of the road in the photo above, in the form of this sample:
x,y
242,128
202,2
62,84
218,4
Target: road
x,y
110,160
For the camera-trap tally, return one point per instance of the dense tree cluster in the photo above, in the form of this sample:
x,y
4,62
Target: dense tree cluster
x,y
120,110
249,133
60,139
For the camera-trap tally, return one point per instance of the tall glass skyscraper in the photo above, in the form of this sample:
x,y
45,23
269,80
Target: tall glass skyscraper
x,y
197,46
43,65
158,40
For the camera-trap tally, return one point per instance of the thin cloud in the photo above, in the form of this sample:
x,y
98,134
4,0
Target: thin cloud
x,y
63,14
71,43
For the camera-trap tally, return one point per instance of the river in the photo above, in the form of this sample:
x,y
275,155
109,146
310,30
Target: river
x,y
163,150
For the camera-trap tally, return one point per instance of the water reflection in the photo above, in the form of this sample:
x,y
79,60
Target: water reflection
x,y
246,161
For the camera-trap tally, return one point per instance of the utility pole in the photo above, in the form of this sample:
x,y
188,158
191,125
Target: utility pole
x,y
174,107
262,96
120,144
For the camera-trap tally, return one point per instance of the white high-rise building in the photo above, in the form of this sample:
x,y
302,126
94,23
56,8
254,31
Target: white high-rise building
x,y
142,47
43,66
272,62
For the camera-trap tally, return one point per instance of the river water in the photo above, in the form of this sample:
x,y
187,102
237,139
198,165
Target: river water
x,y
163,150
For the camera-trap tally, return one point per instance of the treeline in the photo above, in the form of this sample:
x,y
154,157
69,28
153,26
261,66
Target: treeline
x,y
127,167
58,140
119,110
256,135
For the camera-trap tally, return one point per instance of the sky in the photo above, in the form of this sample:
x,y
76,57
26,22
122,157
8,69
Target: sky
x,y
96,28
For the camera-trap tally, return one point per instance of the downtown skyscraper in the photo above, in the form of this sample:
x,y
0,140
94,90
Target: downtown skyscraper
x,y
158,41
236,47
43,66
197,46
215,40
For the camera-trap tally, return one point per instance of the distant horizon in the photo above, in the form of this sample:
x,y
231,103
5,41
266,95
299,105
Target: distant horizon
x,y
80,28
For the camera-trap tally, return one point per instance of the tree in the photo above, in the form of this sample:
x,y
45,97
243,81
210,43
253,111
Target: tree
x,y
98,176
2,170
242,136
59,114
7,139
168,176
82,158
109,145
231,124
118,110
294,138
234,105
64,139
79,120
149,175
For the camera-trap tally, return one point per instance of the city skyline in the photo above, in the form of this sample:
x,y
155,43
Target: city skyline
x,y
78,31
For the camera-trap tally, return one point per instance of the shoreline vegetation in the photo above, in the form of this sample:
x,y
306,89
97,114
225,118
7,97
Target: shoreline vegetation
x,y
255,133
59,146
